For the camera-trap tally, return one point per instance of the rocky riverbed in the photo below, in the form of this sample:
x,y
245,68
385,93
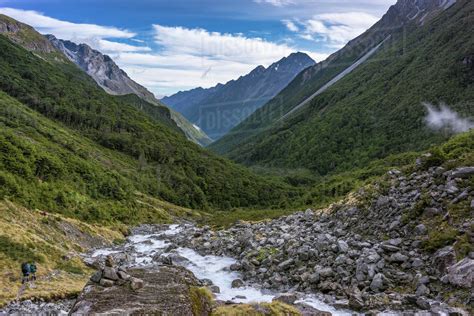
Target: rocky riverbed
x,y
155,247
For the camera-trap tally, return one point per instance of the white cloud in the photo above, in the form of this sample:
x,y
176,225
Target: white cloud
x,y
290,25
336,29
91,34
108,46
317,56
276,3
442,117
219,46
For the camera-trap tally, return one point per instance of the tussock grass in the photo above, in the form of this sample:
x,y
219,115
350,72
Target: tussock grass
x,y
54,242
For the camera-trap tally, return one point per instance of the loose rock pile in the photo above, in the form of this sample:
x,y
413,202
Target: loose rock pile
x,y
365,255
110,276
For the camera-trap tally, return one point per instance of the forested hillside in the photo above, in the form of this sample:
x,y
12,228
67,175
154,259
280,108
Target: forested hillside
x,y
376,110
81,151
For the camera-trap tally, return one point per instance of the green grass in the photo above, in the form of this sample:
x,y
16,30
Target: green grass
x,y
262,309
440,237
201,299
53,242
226,219
18,251
70,267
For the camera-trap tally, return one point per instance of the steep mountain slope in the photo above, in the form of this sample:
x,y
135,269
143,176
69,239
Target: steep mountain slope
x,y
218,109
192,132
80,150
375,110
101,68
115,81
25,36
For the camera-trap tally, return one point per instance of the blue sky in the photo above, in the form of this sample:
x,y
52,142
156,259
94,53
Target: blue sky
x,y
181,44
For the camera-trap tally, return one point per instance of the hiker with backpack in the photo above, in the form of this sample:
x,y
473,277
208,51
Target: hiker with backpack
x,y
25,270
33,271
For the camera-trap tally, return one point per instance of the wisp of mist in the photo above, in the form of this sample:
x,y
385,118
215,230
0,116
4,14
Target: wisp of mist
x,y
442,117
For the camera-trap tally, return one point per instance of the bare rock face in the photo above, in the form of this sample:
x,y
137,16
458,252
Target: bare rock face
x,y
444,258
166,290
101,68
462,273
24,35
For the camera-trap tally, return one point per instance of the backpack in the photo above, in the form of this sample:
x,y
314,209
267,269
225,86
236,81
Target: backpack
x,y
33,268
25,267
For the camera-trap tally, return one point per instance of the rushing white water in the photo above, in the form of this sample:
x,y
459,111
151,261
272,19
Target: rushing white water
x,y
103,252
214,268
312,301
173,230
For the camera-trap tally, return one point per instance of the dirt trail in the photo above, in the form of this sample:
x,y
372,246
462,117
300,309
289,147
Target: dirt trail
x,y
21,291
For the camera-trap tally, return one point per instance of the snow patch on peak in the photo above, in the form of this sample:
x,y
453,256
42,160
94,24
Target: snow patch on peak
x,y
197,127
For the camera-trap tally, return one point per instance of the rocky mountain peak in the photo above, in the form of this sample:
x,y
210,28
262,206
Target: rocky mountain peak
x,y
294,60
299,57
24,35
257,71
101,68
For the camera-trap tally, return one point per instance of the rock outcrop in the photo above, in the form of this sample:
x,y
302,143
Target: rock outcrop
x,y
101,68
158,290
25,36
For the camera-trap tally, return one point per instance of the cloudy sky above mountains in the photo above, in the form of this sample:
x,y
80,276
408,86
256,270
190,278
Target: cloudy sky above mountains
x,y
181,44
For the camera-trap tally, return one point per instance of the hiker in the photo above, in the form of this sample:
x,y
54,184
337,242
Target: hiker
x,y
33,271
25,269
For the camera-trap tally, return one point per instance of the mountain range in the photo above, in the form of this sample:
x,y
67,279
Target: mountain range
x,y
218,109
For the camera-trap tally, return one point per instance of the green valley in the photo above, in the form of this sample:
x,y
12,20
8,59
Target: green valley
x,y
159,161
347,191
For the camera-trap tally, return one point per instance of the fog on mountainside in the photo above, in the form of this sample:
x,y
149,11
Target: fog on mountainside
x,y
442,117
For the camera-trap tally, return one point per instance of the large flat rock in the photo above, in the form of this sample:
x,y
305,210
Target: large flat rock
x,y
168,290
